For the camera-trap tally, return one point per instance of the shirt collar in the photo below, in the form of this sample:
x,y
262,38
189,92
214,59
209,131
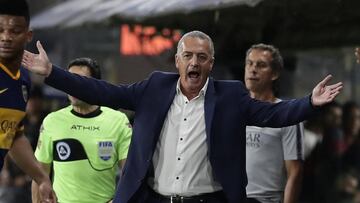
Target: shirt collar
x,y
202,91
7,71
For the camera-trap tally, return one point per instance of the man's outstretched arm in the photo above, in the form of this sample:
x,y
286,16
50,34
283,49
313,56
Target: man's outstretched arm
x,y
291,112
84,88
323,93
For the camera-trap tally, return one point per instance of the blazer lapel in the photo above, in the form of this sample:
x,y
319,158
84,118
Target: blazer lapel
x,y
210,101
169,95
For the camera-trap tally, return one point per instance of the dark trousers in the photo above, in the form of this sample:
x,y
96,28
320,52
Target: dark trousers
x,y
252,200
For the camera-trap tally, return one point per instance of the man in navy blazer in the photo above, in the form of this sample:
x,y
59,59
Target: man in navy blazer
x,y
188,141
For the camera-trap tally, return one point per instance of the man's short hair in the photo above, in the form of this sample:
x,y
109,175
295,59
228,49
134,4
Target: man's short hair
x,y
15,8
91,64
196,34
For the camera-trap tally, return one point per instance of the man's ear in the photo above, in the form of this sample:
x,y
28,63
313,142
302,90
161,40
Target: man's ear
x,y
176,61
29,36
212,63
275,76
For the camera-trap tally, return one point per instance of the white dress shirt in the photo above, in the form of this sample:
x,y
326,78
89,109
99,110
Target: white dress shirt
x,y
181,163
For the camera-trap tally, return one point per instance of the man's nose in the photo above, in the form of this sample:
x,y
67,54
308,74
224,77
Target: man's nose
x,y
253,67
5,36
194,61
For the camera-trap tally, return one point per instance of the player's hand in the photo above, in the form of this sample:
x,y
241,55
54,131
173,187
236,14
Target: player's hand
x,y
37,63
323,93
47,195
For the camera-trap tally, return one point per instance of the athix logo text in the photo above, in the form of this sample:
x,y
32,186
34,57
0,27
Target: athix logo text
x,y
81,127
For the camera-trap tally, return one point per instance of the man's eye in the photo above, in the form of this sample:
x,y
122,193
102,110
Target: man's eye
x,y
262,65
203,58
15,31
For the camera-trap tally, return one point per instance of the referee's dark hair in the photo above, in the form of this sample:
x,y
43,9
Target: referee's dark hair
x,y
15,8
93,66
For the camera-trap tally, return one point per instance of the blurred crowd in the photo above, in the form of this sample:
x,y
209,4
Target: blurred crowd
x,y
331,142
332,149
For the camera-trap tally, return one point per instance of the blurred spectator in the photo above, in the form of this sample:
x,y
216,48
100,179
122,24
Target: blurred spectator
x,y
333,139
351,123
312,134
328,161
351,158
322,163
347,185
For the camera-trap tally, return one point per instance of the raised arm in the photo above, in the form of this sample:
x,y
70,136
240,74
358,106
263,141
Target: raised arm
x,y
290,112
90,90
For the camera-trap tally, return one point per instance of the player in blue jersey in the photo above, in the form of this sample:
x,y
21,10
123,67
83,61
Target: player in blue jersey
x,y
14,89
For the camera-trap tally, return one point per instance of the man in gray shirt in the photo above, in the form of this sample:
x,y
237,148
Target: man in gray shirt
x,y
274,156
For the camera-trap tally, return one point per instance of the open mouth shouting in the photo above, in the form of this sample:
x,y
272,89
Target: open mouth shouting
x,y
193,75
194,78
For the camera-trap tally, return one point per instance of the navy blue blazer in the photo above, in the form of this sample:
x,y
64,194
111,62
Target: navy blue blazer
x,y
228,109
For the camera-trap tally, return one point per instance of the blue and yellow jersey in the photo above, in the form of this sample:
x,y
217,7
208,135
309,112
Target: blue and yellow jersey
x,y
14,93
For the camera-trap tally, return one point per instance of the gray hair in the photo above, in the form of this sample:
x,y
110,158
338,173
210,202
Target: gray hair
x,y
196,34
